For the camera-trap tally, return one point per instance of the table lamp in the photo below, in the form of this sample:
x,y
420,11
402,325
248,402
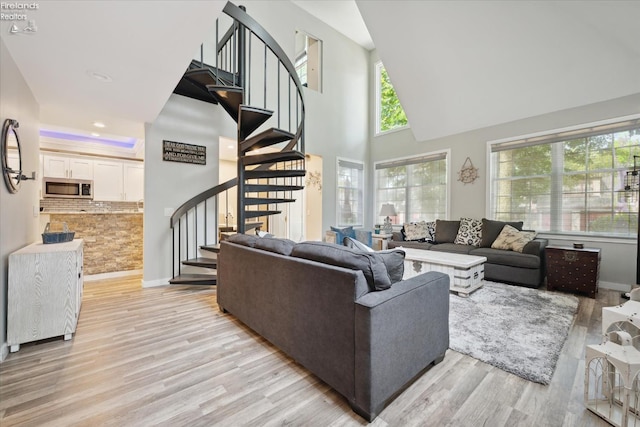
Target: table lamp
x,y
387,210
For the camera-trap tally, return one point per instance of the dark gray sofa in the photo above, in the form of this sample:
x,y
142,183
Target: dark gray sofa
x,y
524,269
367,345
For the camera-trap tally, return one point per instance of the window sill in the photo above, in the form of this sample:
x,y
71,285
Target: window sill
x,y
589,238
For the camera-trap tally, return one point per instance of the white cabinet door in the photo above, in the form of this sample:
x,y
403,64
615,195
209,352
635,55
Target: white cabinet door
x,y
107,181
56,166
133,182
80,168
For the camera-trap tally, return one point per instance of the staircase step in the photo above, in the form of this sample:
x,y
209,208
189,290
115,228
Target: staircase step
x,y
211,248
280,156
274,173
256,214
194,279
265,139
251,118
265,188
251,225
248,201
189,89
202,262
207,76
230,97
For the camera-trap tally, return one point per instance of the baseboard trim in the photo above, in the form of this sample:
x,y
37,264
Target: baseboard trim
x,y
155,283
4,352
112,275
621,287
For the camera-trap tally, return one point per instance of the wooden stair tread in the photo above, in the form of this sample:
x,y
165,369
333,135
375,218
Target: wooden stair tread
x,y
211,248
194,279
202,262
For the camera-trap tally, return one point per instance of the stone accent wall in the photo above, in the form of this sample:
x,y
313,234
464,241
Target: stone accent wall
x,y
112,241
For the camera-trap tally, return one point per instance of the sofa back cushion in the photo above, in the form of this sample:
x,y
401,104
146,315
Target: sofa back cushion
x,y
446,231
273,244
491,230
371,264
243,239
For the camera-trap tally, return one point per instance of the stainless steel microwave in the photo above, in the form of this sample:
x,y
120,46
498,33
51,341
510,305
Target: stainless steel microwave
x,y
67,188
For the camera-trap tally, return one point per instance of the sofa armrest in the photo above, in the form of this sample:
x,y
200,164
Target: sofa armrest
x,y
536,247
398,333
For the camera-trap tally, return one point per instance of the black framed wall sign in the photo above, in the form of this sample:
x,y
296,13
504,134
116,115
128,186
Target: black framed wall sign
x,y
184,153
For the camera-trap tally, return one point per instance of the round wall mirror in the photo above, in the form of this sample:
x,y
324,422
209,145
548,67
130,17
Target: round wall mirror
x,y
11,155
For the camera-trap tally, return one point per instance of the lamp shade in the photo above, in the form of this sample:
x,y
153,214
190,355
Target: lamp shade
x,y
387,209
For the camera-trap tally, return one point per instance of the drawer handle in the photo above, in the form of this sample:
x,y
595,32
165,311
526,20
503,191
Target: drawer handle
x,y
570,256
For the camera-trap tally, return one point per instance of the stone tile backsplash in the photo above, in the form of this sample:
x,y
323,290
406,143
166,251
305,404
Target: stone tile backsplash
x,y
79,205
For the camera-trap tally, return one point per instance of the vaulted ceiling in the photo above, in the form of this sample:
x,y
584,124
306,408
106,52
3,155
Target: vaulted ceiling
x,y
456,65
464,65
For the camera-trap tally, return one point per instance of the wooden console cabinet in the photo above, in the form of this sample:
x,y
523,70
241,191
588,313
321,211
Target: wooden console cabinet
x,y
44,292
571,269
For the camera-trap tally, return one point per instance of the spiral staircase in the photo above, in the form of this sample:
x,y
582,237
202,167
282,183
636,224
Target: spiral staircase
x,y
254,81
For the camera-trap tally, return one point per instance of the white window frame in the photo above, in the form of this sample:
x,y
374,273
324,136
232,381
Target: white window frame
x,y
377,100
361,190
447,157
547,137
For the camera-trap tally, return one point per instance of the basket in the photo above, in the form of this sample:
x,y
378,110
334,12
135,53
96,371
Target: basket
x,y
57,237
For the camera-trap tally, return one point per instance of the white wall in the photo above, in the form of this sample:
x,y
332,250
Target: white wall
x,y
336,119
170,184
618,258
18,226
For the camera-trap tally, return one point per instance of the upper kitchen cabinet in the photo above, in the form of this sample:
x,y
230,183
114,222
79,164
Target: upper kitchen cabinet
x,y
67,167
108,180
133,182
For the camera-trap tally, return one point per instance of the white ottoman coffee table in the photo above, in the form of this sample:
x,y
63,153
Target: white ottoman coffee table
x,y
466,272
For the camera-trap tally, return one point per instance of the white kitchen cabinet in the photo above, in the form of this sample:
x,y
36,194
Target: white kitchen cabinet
x,y
67,167
44,292
108,180
133,182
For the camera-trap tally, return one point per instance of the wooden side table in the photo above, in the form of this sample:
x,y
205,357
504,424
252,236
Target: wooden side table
x,y
573,270
381,241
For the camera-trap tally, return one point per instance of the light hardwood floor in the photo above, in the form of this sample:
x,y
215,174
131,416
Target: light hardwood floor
x,y
167,356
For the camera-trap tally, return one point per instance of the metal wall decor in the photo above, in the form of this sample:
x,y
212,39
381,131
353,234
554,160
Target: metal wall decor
x,y
12,164
468,173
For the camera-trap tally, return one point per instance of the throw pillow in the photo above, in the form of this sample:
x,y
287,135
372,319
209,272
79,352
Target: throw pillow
x,y
491,230
370,263
394,261
446,231
416,231
469,233
513,240
356,244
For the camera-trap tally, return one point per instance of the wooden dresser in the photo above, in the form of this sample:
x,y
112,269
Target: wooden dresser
x,y
44,292
574,270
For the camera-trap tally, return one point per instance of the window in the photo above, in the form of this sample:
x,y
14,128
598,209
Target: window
x,y
308,60
389,112
350,193
569,182
417,187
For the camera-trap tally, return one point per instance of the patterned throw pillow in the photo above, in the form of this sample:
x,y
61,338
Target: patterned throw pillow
x,y
513,240
470,232
419,231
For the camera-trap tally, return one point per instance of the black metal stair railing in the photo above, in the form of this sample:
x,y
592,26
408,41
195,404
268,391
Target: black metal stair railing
x,y
250,65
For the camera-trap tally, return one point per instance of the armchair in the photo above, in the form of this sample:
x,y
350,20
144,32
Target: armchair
x,y
337,235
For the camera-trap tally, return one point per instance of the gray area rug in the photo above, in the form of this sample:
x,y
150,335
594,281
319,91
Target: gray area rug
x,y
516,329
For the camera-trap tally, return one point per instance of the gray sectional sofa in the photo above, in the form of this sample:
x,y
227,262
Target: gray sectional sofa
x,y
318,303
527,268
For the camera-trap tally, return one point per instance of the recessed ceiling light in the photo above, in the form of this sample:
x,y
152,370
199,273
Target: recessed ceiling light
x,y
99,124
100,76
95,134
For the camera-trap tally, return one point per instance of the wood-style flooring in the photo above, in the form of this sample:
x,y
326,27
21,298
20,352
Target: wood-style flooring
x,y
168,356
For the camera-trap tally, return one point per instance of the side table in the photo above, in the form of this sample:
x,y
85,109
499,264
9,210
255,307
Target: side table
x,y
381,241
572,269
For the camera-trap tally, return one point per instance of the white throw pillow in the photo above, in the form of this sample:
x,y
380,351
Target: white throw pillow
x,y
470,232
513,240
